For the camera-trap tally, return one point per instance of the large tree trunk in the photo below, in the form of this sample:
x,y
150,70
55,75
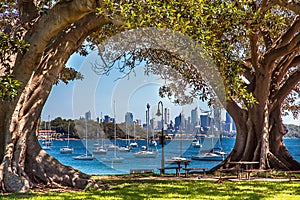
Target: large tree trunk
x,y
260,132
249,148
24,163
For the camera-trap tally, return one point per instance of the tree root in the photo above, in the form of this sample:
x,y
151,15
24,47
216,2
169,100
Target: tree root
x,y
44,168
41,170
275,163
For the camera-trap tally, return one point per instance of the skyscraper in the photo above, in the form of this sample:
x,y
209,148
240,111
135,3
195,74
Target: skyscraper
x,y
195,117
129,118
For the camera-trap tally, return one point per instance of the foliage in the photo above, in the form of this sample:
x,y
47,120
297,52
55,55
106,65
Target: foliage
x,y
68,74
94,129
225,29
12,43
178,189
60,126
9,46
8,88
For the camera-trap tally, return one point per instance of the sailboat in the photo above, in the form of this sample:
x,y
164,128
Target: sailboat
x,y
127,147
133,144
210,156
99,150
152,141
145,153
85,156
175,159
114,159
196,143
215,154
67,149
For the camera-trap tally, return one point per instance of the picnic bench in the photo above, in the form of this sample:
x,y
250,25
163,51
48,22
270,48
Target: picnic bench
x,y
194,170
221,170
141,171
290,173
248,171
241,166
162,170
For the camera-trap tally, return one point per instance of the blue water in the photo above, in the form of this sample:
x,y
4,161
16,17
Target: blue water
x,y
172,148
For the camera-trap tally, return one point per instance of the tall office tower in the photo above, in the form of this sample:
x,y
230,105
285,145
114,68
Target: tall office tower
x,y
88,116
177,123
204,120
180,122
167,115
129,118
195,117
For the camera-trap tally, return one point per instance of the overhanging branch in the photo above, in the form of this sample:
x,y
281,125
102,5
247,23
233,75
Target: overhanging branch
x,y
285,89
276,53
57,18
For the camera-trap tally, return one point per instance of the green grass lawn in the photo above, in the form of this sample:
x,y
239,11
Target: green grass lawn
x,y
176,189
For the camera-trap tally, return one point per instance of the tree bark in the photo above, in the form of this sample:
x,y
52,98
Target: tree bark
x,y
25,163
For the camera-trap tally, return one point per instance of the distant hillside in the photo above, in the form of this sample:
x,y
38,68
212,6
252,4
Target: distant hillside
x,y
293,130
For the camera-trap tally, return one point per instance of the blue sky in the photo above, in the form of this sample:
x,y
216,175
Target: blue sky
x,y
98,93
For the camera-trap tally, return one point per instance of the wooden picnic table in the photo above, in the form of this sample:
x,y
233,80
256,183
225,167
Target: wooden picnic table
x,y
179,162
238,165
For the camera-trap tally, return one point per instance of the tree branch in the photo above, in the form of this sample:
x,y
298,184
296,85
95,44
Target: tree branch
x,y
28,10
236,112
285,89
296,61
57,18
289,34
254,50
284,65
276,53
291,5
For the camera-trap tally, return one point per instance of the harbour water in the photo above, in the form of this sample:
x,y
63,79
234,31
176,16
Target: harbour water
x,y
172,148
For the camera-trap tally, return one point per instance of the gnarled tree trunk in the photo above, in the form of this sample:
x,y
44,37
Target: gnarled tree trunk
x,y
24,163
260,131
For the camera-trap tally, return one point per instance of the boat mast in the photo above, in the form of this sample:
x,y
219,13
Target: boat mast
x,y
86,147
134,130
115,130
68,134
147,125
180,134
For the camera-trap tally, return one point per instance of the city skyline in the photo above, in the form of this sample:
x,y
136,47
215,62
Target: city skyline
x,y
128,93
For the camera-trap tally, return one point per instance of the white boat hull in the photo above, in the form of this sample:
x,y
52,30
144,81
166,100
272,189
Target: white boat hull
x,y
100,151
134,144
66,150
83,157
209,157
145,154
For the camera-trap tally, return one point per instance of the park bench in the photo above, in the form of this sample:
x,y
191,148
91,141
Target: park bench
x,y
161,170
226,170
290,173
248,171
141,171
194,170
